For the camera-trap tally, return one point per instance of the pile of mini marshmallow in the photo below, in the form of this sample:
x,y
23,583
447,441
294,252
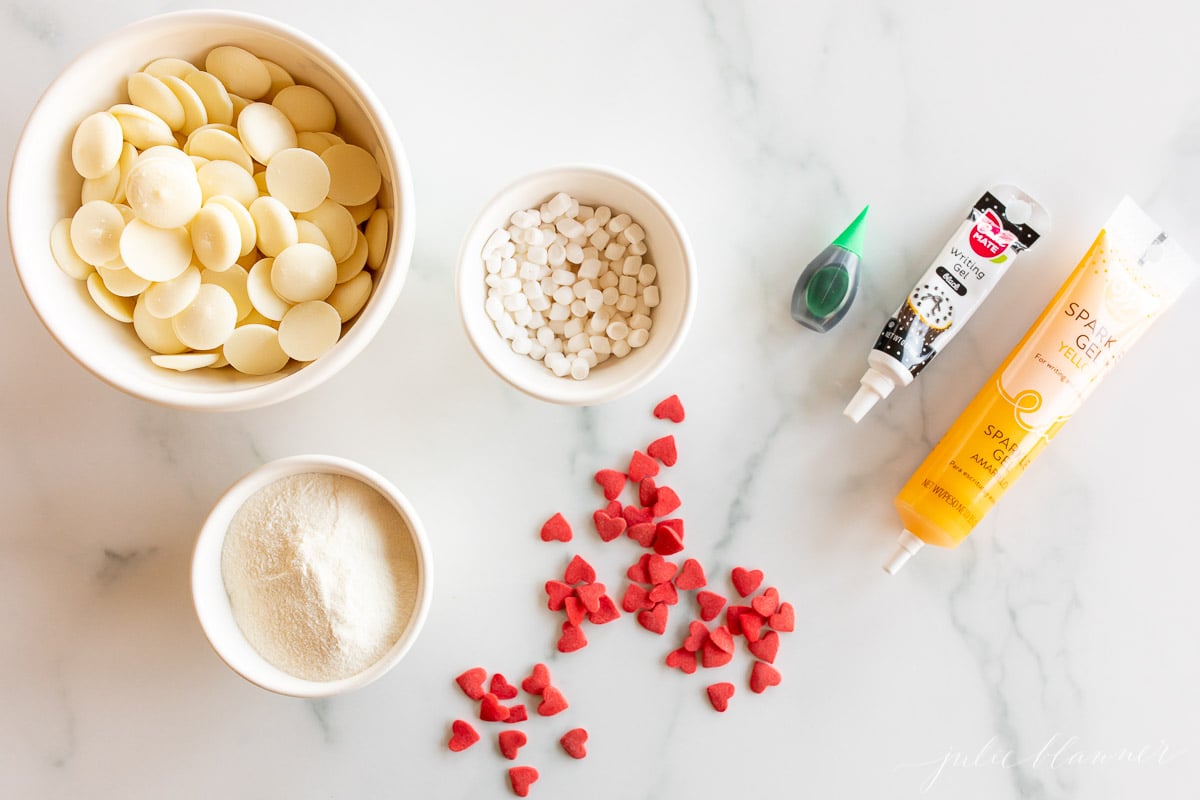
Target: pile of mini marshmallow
x,y
570,285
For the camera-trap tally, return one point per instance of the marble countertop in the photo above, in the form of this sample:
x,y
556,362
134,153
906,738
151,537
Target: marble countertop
x,y
1053,655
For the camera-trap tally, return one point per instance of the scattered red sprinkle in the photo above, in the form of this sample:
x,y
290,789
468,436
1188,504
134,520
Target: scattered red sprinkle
x,y
589,594
659,569
712,655
556,529
711,604
579,571
606,612
682,659
670,409
642,533
471,682
691,576
664,450
510,742
762,676
491,710
612,482
767,647
634,515
766,603
637,570
733,618
572,638
697,634
613,509
502,688
719,694
557,592
667,541
647,492
521,778
552,702
752,624
517,713
642,466
574,741
783,620
666,501
462,736
654,619
608,526
636,598
722,638
664,593
575,610
538,679
746,581
675,524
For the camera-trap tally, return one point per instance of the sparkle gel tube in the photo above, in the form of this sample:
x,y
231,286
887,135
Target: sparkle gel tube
x,y
1131,274
1001,225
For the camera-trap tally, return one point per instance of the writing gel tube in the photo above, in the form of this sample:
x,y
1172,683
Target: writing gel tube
x,y
1129,277
1002,224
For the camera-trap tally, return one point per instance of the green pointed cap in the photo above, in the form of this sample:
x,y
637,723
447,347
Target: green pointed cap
x,y
852,238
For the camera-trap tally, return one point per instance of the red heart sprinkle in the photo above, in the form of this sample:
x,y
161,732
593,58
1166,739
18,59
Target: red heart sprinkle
x,y
521,778
766,603
762,676
606,612
783,620
556,529
654,619
710,604
516,713
573,742
538,679
647,492
719,694
664,593
613,509
659,569
635,599
642,466
589,594
471,682
746,581
502,688
664,450
609,527
490,709
558,592
675,524
667,541
682,659
637,571
722,638
691,576
462,736
733,618
611,481
751,624
767,647
713,656
572,638
697,635
634,515
642,533
510,743
552,702
670,409
579,571
575,610
666,501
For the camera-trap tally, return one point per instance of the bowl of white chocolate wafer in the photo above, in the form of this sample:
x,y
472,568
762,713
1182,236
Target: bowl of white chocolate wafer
x,y
210,210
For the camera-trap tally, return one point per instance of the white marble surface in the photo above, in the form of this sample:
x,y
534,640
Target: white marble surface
x,y
1064,627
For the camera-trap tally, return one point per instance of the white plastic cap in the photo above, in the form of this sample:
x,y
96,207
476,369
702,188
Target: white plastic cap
x,y
907,546
875,386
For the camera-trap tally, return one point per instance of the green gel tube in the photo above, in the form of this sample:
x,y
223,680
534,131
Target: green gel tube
x,y
827,286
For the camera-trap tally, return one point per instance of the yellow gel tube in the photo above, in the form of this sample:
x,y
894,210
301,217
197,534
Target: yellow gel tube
x,y
1131,274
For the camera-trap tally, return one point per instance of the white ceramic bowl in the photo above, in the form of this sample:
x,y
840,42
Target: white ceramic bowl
x,y
43,188
669,250
212,601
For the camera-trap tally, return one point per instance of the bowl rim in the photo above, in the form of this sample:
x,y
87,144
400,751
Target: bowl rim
x,y
581,393
216,526
386,292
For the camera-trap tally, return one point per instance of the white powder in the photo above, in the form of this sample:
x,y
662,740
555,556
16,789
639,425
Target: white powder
x,y
321,572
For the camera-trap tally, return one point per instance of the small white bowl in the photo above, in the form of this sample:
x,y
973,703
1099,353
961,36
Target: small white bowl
x,y
212,601
43,188
669,251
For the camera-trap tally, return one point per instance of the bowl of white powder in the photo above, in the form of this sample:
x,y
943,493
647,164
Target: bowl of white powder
x,y
312,576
